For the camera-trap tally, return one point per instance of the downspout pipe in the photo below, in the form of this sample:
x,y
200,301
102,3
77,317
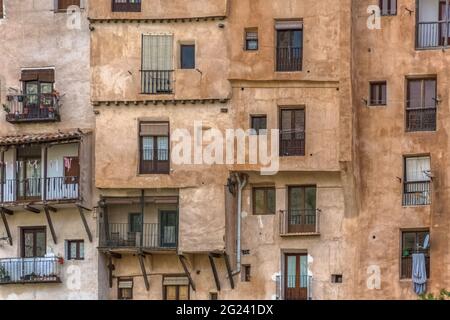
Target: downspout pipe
x,y
242,182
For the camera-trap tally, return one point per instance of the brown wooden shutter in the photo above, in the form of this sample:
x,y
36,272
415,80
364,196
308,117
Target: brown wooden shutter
x,y
73,171
289,25
44,75
64,4
154,129
1,9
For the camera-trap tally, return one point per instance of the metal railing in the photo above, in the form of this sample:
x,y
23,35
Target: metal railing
x,y
31,189
32,107
152,236
289,59
432,34
416,193
126,5
29,270
292,143
293,222
421,119
296,287
157,81
407,266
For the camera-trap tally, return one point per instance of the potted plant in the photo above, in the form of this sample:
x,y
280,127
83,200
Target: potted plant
x,y
20,98
6,108
4,275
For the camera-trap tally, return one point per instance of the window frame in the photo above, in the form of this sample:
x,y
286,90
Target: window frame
x,y
34,231
402,249
182,57
155,160
258,117
292,65
423,106
247,39
77,256
406,181
266,190
164,287
119,290
379,92
293,109
389,11
59,8
126,6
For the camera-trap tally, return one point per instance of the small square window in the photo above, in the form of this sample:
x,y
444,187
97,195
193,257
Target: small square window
x,y
246,273
187,56
378,95
213,296
388,7
125,288
251,39
65,4
75,250
259,124
264,201
336,278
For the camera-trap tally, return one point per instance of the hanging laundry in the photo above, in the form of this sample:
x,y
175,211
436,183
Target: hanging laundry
x,y
67,163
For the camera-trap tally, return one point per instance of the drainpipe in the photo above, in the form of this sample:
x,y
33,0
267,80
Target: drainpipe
x,y
241,186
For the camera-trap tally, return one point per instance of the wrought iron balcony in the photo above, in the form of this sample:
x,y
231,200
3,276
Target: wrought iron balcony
x,y
299,222
417,193
294,287
32,108
157,81
31,189
431,35
30,270
151,236
289,59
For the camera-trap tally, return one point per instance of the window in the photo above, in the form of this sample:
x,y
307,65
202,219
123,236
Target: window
x,y
289,53
75,250
34,242
176,288
292,132
125,288
65,4
378,93
336,278
154,149
264,201
187,56
259,124
126,5
38,99
413,242
417,181
157,68
1,9
302,211
388,7
71,170
421,105
251,39
246,274
213,296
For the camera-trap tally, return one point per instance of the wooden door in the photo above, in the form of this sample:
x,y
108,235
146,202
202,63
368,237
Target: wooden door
x,y
296,276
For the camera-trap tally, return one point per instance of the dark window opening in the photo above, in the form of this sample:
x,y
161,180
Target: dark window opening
x,y
34,242
264,201
213,296
413,242
246,273
336,278
378,96
259,124
251,39
65,4
125,288
187,56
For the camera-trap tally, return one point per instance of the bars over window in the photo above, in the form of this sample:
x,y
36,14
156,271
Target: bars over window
x,y
126,5
292,133
388,7
417,181
157,68
414,242
421,104
378,93
65,4
154,150
433,24
289,52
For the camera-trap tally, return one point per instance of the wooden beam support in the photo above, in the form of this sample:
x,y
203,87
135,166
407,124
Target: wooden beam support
x,y
228,265
110,270
144,272
186,271
32,209
50,224
214,270
7,211
86,226
52,209
5,223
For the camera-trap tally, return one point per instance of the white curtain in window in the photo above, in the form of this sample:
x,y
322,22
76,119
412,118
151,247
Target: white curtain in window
x,y
157,52
416,169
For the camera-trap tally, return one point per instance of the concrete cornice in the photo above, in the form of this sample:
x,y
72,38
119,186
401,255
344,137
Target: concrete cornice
x,y
98,103
157,20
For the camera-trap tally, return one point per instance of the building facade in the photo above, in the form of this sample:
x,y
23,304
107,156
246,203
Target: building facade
x,y
223,149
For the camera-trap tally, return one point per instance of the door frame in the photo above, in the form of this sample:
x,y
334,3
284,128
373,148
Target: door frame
x,y
284,254
22,238
160,214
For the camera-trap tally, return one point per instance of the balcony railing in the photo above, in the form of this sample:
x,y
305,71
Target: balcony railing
x,y
289,59
295,287
299,222
31,189
32,108
126,5
152,236
29,270
407,265
423,119
157,81
292,143
431,35
417,193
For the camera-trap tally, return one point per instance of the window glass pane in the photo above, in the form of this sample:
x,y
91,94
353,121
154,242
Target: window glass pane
x,y
187,57
81,245
31,88
310,198
28,244
430,93
291,271
303,271
163,148
73,250
271,201
40,244
259,201
415,95
417,169
46,88
286,124
299,123
147,148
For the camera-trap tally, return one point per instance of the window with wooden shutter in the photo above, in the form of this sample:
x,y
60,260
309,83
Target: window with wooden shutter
x,y
65,4
126,5
71,170
154,148
1,9
292,132
157,64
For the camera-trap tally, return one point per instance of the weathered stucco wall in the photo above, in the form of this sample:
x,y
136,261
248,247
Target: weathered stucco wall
x,y
389,54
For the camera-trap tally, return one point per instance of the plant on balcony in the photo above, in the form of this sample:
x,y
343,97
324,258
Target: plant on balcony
x,y
6,108
443,295
4,275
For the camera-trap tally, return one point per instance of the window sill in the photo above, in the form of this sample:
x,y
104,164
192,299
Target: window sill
x,y
416,206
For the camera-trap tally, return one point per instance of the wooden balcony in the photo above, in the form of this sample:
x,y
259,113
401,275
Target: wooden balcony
x,y
30,270
32,108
